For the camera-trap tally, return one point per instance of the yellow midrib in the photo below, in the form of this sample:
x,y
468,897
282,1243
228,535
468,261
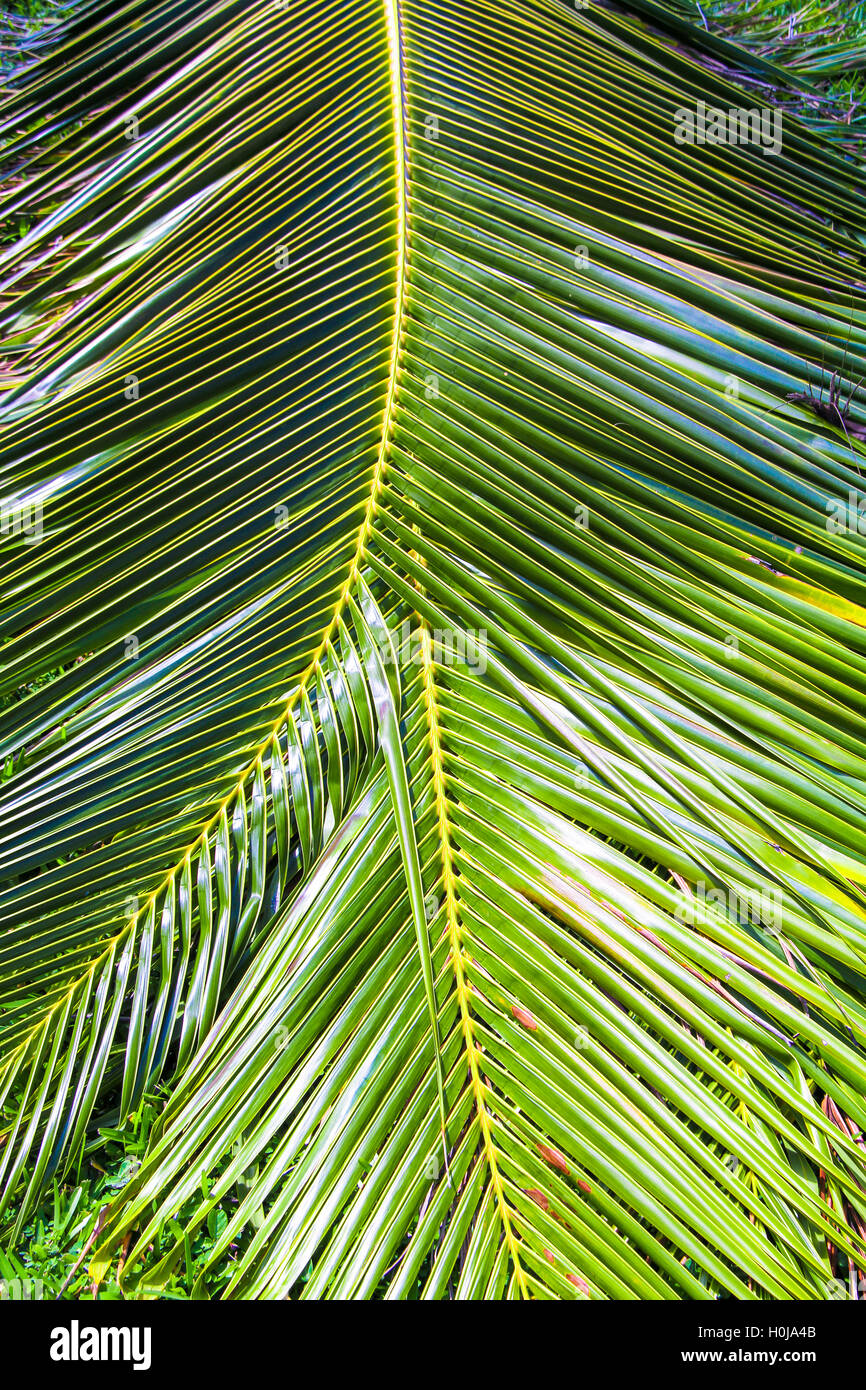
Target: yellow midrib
x,y
455,940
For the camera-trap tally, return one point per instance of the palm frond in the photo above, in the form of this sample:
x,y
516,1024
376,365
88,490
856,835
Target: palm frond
x,y
452,788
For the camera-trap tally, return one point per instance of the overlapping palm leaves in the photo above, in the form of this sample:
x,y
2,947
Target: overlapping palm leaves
x,y
456,627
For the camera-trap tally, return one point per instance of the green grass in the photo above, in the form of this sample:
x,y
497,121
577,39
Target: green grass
x,y
47,1262
821,41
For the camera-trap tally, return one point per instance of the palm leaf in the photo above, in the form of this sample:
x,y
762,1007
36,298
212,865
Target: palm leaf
x,y
453,628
